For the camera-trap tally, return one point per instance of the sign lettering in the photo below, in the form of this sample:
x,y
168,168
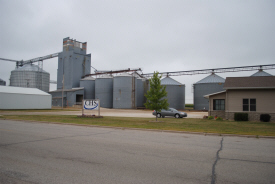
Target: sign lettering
x,y
90,104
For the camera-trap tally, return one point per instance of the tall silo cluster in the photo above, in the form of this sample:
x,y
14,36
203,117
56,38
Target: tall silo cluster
x,y
2,82
30,76
208,85
175,93
125,91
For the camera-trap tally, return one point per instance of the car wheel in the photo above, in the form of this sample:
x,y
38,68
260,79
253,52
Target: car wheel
x,y
177,115
159,115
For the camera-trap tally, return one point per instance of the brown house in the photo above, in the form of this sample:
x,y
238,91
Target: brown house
x,y
252,95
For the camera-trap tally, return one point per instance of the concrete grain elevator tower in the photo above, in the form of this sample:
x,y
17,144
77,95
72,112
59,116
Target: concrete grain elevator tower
x,y
73,63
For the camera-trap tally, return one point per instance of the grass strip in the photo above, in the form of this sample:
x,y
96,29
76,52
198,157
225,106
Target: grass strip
x,y
39,110
185,124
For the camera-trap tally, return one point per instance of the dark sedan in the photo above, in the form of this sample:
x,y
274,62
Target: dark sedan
x,y
170,112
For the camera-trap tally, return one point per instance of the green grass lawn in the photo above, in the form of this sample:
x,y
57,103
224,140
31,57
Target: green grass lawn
x,y
185,124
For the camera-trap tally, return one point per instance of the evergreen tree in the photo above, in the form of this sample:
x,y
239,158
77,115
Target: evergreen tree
x,y
155,95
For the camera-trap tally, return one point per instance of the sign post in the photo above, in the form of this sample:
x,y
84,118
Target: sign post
x,y
93,104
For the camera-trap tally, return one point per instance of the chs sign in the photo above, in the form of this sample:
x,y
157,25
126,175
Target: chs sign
x,y
91,104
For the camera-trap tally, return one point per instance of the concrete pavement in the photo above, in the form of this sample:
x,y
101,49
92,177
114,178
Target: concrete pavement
x,y
52,153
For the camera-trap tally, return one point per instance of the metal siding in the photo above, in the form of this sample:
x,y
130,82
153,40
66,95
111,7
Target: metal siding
x,y
68,70
89,88
2,82
176,96
71,97
24,77
169,81
104,91
146,86
60,70
265,100
140,93
74,68
202,89
213,78
260,73
25,101
57,99
122,93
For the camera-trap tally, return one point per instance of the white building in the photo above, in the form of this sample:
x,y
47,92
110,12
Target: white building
x,y
24,98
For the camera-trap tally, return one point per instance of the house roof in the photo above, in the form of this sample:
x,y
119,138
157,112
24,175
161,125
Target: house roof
x,y
20,90
169,81
260,82
207,96
213,78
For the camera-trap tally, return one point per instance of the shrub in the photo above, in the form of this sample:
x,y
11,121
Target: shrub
x,y
219,119
210,117
265,117
205,117
241,117
189,105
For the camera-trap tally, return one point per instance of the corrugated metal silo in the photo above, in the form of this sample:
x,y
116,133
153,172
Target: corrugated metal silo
x,y
175,93
89,87
125,91
146,86
140,93
104,90
2,82
210,84
30,76
260,73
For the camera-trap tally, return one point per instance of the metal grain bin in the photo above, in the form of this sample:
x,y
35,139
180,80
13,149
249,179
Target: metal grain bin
x,y
208,85
30,76
125,91
89,87
2,82
104,90
260,73
140,93
175,93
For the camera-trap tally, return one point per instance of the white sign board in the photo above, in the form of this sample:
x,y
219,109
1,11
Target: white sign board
x,y
90,104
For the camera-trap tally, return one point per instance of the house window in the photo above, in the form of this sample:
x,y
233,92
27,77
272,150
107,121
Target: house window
x,y
218,104
245,104
253,104
249,104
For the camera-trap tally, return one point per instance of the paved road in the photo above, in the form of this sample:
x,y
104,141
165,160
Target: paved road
x,y
104,112
52,153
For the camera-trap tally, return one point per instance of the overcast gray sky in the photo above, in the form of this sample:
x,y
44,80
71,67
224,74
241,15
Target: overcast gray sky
x,y
158,35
